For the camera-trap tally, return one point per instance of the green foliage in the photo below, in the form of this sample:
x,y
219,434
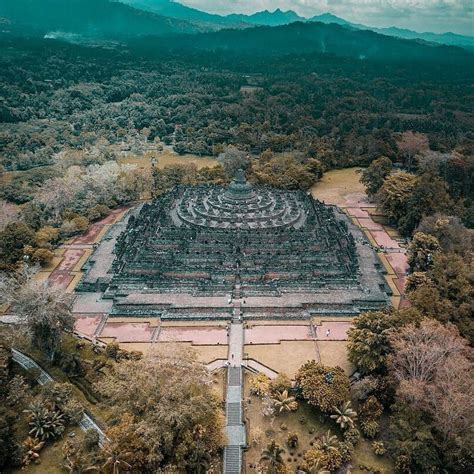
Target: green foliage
x,y
272,457
326,453
370,428
322,386
8,450
352,435
91,439
413,445
44,422
345,416
421,251
373,177
284,171
379,448
13,239
368,341
259,385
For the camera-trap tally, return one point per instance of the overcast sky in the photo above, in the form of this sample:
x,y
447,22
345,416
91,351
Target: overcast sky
x,y
420,15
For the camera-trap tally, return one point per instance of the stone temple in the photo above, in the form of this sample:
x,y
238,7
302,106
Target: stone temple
x,y
188,254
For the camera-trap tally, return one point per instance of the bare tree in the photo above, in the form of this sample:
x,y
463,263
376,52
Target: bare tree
x,y
44,310
411,144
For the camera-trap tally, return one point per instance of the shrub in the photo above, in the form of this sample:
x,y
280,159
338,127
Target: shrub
x,y
324,387
292,440
346,449
370,428
352,436
91,439
280,383
259,385
73,411
379,448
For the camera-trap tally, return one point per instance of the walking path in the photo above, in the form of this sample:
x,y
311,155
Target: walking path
x,y
235,429
42,377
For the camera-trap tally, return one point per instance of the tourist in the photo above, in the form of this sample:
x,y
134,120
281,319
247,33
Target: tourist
x,y
328,332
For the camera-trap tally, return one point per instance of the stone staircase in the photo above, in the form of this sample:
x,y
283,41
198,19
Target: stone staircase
x,y
235,429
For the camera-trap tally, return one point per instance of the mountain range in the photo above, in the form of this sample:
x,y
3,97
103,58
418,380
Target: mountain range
x,y
274,33
174,9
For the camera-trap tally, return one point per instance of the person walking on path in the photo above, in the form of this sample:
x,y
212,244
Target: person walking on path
x,y
328,332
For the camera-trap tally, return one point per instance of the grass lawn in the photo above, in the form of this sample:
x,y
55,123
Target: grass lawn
x,y
167,158
338,186
309,424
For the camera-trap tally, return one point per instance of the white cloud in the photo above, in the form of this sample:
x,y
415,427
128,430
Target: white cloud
x,y
420,15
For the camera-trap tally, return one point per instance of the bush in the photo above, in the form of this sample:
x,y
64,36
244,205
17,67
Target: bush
x,y
324,387
352,435
91,439
346,449
280,384
370,428
259,385
73,411
379,448
112,350
292,440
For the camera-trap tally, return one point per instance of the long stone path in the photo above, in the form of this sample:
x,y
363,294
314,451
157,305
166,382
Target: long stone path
x,y
235,429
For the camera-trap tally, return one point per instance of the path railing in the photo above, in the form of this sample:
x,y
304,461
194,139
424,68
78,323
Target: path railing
x,y
42,377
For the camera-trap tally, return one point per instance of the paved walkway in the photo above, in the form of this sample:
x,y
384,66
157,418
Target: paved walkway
x,y
235,429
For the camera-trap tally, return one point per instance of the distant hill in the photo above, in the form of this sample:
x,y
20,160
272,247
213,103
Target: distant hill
x,y
315,37
267,18
443,38
92,18
173,9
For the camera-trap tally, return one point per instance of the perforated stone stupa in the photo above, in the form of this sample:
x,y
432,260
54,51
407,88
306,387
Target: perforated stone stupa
x,y
187,253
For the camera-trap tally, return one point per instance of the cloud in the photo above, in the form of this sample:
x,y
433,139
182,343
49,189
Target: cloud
x,y
421,15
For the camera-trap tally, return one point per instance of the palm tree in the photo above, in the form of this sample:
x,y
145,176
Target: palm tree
x,y
115,460
345,416
328,441
283,402
272,456
44,423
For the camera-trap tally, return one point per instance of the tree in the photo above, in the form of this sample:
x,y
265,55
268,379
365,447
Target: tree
x,y
345,416
13,239
44,310
395,193
232,159
44,423
450,232
411,144
448,293
421,251
180,418
272,457
283,402
429,196
373,177
325,454
324,387
368,341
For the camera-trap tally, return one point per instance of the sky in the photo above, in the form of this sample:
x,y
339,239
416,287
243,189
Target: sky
x,y
438,16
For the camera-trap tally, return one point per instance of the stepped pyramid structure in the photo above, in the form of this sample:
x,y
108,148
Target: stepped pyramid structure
x,y
182,255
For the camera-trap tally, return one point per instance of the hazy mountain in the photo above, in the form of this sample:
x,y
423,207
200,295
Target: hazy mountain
x,y
316,37
92,18
173,9
444,38
267,18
